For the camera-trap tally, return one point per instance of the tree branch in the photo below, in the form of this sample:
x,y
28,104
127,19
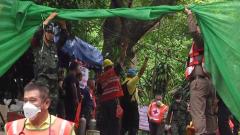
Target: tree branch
x,y
127,32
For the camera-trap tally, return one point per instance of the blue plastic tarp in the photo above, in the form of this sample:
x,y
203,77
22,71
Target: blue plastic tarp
x,y
83,51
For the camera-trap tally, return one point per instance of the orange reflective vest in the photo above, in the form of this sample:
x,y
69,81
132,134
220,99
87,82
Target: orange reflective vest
x,y
156,113
59,127
194,59
110,84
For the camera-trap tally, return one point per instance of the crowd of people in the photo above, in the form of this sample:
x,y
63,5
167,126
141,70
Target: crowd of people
x,y
114,103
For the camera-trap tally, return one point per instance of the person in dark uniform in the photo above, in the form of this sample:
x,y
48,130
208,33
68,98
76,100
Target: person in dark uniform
x,y
178,115
236,125
45,52
71,88
224,115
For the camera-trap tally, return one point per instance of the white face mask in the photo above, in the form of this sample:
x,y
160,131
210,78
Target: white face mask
x,y
159,103
30,110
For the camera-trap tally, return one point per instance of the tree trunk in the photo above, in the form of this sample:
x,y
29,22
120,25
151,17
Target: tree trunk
x,y
121,35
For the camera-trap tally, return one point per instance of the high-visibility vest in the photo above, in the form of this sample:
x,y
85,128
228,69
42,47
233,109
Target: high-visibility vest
x,y
193,59
59,127
156,113
111,85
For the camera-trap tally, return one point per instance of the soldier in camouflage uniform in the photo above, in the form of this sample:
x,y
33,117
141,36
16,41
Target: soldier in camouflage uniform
x,y
46,59
178,115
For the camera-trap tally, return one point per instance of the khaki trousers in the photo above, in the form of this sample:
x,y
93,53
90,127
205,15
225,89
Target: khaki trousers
x,y
202,97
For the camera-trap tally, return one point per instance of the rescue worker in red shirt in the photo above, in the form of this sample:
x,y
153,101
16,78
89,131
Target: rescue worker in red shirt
x,y
109,87
38,120
202,95
157,113
109,90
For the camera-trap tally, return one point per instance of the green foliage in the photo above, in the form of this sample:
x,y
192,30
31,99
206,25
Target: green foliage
x,y
167,45
187,2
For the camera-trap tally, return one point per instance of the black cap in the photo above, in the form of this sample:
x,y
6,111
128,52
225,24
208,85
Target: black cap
x,y
53,28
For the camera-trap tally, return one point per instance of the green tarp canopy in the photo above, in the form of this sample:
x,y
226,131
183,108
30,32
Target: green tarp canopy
x,y
219,23
220,27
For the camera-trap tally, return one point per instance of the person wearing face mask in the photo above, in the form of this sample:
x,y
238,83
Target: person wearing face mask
x,y
177,115
157,112
38,120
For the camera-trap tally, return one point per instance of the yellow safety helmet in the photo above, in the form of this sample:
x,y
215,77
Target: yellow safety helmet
x,y
107,63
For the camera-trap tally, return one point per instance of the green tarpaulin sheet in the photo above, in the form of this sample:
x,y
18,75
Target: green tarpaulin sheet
x,y
219,24
20,19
